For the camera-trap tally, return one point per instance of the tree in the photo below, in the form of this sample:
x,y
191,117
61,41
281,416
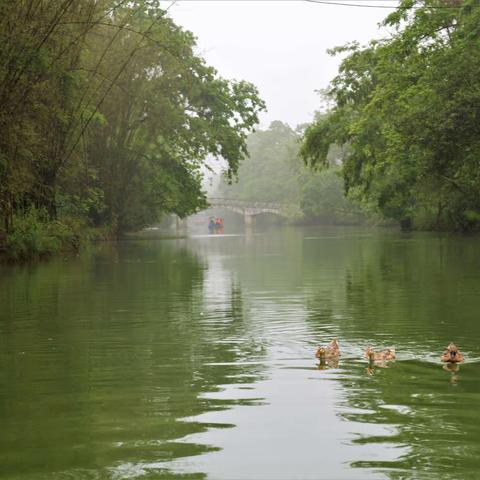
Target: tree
x,y
272,173
165,113
107,114
406,107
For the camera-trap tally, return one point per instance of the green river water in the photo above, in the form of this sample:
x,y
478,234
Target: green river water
x,y
194,358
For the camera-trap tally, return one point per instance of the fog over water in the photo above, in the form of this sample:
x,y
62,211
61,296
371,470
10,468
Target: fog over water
x,y
280,46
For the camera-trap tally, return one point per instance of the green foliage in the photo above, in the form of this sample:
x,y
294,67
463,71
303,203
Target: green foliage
x,y
34,235
407,110
273,173
270,173
323,200
175,111
107,115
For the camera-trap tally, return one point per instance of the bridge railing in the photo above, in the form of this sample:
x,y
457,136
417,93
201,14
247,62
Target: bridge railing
x,y
217,201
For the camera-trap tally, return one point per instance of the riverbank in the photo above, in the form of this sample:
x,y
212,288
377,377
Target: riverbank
x,y
32,237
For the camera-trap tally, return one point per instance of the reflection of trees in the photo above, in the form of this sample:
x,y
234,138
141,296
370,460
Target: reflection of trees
x,y
417,292
399,287
102,357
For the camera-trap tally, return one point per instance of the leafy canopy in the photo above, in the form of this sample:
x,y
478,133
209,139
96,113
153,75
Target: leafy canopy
x,y
407,109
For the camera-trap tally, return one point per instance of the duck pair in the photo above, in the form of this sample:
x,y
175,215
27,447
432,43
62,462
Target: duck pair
x,y
451,354
332,350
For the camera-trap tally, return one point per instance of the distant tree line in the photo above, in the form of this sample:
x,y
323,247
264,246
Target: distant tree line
x,y
274,172
106,116
407,111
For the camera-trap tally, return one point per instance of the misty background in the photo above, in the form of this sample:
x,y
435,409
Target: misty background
x,y
280,46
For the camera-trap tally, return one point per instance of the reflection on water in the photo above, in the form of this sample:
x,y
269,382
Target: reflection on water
x,y
194,358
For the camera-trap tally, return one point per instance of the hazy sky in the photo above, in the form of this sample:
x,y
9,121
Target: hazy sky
x,y
280,46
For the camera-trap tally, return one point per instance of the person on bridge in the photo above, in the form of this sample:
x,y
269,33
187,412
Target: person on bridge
x,y
211,225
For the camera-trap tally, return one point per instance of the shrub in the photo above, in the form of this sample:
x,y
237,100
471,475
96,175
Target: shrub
x,y
33,236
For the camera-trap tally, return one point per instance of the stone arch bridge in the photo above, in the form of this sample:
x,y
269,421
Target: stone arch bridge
x,y
248,208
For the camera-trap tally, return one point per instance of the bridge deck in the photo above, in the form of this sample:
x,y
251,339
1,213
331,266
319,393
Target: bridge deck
x,y
221,202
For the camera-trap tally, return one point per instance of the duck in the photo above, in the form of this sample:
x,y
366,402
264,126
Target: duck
x,y
326,363
386,355
452,354
335,347
331,350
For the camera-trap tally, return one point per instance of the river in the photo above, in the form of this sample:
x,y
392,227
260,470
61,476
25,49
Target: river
x,y
194,358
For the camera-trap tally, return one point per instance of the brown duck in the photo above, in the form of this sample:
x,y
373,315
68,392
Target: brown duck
x,y
332,350
386,355
452,354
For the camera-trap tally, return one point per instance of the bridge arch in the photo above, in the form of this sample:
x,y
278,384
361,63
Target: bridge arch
x,y
249,209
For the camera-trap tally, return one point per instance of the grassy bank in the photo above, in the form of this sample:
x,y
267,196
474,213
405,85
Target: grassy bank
x,y
32,236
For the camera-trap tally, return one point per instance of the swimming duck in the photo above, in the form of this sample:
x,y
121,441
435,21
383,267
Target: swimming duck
x,y
452,355
326,363
323,353
334,347
388,354
332,350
